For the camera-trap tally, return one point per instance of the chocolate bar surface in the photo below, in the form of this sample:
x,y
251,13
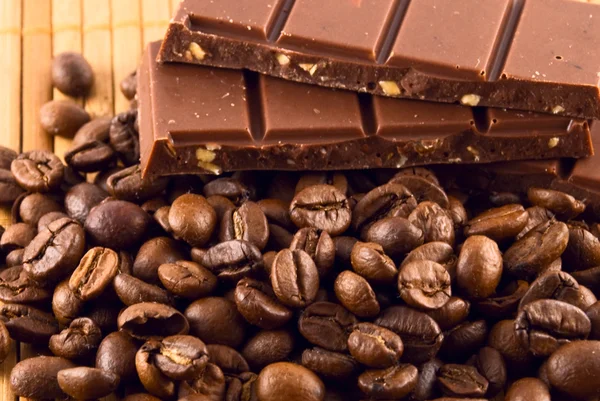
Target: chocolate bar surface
x,y
207,120
536,55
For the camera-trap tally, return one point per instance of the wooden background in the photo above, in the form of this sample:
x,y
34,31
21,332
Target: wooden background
x,y
109,33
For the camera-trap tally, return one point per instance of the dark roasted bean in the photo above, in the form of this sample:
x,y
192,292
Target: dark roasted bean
x,y
574,368
327,325
319,246
268,346
563,205
187,279
124,137
128,184
38,171
132,290
117,224
37,377
72,74
95,272
116,354
295,278
395,382
434,221
152,254
151,320
299,384
28,324
329,364
375,346
479,267
356,294
233,260
257,303
424,284
192,219
216,321
462,381
87,383
62,118
322,207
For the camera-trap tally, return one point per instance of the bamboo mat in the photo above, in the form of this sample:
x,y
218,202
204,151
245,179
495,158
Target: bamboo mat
x,y
110,33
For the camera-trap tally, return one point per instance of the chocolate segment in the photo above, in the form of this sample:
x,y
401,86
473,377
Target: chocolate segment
x,y
204,120
536,55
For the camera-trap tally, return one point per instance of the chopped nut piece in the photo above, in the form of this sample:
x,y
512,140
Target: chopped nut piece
x,y
310,68
553,142
197,51
188,55
205,155
470,99
558,109
390,88
213,146
282,59
213,168
474,152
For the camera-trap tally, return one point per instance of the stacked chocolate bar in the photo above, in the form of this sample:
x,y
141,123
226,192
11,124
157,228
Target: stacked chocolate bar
x,y
476,83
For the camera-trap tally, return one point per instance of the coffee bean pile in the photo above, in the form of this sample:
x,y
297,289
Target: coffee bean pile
x,y
264,286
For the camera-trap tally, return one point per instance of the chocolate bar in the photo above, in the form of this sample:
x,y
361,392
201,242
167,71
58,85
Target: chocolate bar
x,y
536,55
580,178
205,120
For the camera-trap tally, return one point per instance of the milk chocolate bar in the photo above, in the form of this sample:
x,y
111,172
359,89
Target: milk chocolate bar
x,y
536,55
207,120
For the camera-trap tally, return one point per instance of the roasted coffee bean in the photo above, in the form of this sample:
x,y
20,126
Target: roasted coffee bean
x,y
329,364
319,246
55,252
266,347
500,199
530,389
434,221
38,171
9,187
295,278
17,236
210,383
102,177
439,252
356,294
503,337
151,320
90,156
28,324
395,382
504,302
422,187
462,381
451,314
131,291
554,266
17,287
369,260
233,260
322,207
230,361
420,334
574,369
72,74
222,205
128,184
277,212
541,246
6,157
179,357
78,341
593,313
327,325
95,130
216,321
5,342
37,377
128,86
66,306
95,272
343,249
279,238
34,206
500,223
152,254
554,285
479,267
289,381
232,189
15,258
463,340
62,118
424,284
240,388
116,354
583,299
103,314
583,249
336,179
589,277
375,346
149,374
187,279
390,200
563,205
81,198
490,364
153,204
536,216
117,224
192,219
124,137
544,325
161,216
396,235
457,212
247,223
85,383
258,304
426,387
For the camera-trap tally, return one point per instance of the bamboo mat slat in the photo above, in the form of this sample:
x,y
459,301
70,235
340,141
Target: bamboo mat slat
x,y
127,44
37,58
97,49
66,36
155,17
